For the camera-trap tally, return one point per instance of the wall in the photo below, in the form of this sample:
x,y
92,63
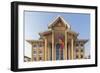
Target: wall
x,y
5,17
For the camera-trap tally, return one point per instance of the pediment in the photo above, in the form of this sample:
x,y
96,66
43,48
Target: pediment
x,y
59,22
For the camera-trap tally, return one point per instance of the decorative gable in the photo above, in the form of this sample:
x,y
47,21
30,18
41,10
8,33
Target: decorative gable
x,y
59,23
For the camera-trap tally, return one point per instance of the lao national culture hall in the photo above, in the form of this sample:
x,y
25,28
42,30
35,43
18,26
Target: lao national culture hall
x,y
58,43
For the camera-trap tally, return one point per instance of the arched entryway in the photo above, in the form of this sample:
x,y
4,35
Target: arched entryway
x,y
59,46
57,51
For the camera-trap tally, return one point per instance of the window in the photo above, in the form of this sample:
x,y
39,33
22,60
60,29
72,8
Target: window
x,y
40,45
40,51
76,50
34,52
81,45
77,45
40,58
34,58
76,56
81,56
34,46
81,50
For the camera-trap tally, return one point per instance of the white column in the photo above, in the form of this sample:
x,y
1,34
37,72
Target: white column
x,y
83,51
37,52
45,49
69,52
48,53
65,49
53,58
32,53
72,50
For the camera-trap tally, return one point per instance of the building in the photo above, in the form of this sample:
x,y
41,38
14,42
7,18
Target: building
x,y
58,43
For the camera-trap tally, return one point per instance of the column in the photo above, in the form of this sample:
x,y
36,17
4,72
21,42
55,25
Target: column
x,y
65,49
37,55
32,53
48,53
45,50
69,52
72,50
83,52
53,58
79,55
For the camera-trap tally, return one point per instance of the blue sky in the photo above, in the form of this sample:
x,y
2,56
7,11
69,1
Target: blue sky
x,y
36,22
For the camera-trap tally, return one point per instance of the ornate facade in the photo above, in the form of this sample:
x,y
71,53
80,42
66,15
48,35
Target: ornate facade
x,y
58,43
